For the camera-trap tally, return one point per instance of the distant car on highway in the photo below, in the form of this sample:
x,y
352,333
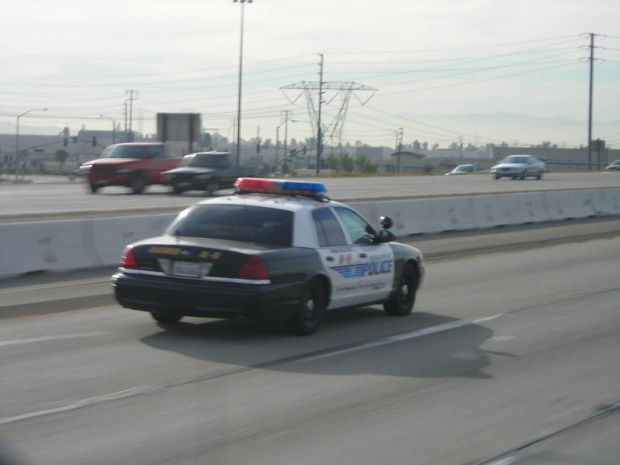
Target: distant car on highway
x,y
519,167
614,165
463,169
277,250
206,171
133,164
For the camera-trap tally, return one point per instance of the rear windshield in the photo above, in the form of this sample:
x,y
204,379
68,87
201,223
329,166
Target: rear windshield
x,y
133,151
205,160
516,159
259,225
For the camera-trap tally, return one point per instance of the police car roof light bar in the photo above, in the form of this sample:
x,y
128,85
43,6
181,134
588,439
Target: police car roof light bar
x,y
282,187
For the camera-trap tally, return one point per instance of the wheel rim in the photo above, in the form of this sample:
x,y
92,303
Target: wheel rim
x,y
310,314
406,296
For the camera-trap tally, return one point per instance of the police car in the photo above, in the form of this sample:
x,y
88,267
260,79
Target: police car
x,y
275,250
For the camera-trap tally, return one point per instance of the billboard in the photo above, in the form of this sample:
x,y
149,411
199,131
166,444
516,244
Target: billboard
x,y
178,127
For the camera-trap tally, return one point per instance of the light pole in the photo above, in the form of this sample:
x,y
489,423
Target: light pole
x,y
17,138
240,74
113,127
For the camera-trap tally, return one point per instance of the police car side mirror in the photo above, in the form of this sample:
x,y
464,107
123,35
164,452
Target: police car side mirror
x,y
386,236
386,222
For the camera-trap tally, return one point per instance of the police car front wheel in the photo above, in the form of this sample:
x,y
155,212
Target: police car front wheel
x,y
401,303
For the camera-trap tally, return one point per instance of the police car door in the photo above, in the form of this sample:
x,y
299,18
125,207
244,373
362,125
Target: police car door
x,y
377,276
339,258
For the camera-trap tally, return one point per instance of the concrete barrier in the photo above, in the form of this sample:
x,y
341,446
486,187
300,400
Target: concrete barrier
x,y
79,244
565,205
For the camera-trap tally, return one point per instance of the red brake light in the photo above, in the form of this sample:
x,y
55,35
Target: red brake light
x,y
129,259
253,268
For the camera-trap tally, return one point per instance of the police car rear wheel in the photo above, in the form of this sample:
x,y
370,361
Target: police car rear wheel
x,y
307,318
403,300
165,318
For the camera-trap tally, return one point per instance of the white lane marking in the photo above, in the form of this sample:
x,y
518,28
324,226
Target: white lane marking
x,y
83,403
507,461
32,340
501,338
405,336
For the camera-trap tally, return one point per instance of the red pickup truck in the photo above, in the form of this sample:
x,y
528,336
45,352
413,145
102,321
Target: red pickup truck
x,y
134,165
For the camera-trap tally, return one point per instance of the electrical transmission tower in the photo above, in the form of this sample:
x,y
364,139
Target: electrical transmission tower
x,y
342,90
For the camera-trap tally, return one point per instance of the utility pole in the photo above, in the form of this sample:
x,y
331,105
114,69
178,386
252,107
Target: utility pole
x,y
319,139
399,147
131,99
590,102
125,109
286,112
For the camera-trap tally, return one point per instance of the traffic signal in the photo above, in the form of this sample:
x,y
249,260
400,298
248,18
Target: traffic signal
x,y
94,141
65,142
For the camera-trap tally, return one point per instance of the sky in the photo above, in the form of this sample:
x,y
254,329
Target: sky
x,y
440,71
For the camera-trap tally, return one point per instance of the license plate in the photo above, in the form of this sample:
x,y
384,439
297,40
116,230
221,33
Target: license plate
x,y
186,269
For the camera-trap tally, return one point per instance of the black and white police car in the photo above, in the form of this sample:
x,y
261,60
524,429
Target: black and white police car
x,y
275,250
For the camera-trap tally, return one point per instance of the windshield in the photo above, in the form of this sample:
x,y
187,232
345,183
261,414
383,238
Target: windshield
x,y
243,223
207,160
516,159
133,151
464,168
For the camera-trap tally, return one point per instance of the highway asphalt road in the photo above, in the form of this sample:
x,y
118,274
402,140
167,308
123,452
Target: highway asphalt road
x,y
53,197
505,353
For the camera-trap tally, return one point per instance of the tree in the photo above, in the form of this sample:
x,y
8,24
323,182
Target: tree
x,y
61,156
366,165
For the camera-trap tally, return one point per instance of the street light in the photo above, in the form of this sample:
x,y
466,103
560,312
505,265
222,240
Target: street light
x,y
240,74
17,138
113,127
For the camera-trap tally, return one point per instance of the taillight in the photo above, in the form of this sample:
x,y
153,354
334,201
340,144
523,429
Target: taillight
x,y
253,268
129,259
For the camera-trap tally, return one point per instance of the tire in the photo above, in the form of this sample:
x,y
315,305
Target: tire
x,y
93,188
540,176
137,183
177,190
305,321
166,318
403,300
523,176
497,177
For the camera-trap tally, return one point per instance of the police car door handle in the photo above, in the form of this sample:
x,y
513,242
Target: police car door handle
x,y
330,259
363,255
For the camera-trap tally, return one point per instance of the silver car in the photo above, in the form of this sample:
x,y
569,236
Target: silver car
x,y
519,166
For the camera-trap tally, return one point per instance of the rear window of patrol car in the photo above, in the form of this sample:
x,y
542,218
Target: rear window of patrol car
x,y
242,223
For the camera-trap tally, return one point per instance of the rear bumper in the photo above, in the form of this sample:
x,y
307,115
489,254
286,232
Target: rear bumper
x,y
207,299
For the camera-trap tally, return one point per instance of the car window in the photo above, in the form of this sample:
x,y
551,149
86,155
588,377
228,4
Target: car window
x,y
328,230
260,225
358,228
154,151
516,159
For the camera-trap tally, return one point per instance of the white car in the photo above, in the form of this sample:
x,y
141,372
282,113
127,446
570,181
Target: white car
x,y
463,169
519,167
614,165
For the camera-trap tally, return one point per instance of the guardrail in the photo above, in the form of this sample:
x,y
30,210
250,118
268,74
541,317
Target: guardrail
x,y
79,244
